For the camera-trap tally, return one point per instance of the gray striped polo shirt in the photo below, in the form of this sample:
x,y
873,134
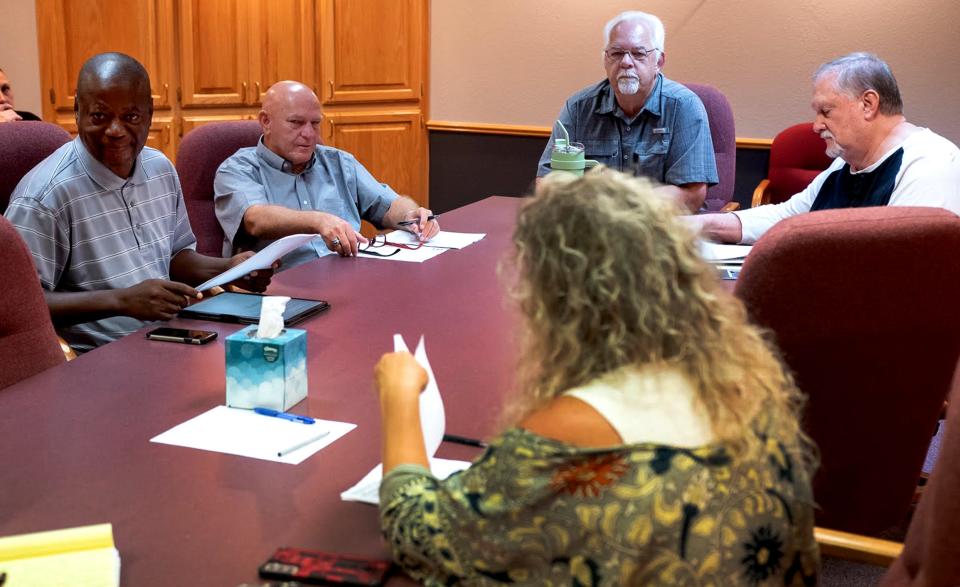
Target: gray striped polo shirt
x,y
90,230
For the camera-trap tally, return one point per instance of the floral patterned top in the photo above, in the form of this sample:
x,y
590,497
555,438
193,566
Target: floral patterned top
x,y
536,511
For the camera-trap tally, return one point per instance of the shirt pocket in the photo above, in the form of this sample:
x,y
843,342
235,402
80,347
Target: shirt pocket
x,y
651,156
604,151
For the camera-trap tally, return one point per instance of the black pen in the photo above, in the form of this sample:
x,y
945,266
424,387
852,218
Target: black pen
x,y
464,440
417,221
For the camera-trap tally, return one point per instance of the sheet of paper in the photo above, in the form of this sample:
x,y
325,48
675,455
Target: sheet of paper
x,y
433,421
416,256
245,433
74,556
726,254
368,489
262,260
444,239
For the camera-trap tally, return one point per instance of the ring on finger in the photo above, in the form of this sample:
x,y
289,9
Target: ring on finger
x,y
335,242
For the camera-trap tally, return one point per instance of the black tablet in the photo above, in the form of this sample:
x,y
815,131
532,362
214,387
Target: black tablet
x,y
245,309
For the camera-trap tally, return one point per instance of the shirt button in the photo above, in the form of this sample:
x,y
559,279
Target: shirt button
x,y
628,127
625,157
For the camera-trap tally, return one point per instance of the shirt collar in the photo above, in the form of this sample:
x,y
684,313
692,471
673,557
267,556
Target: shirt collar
x,y
608,102
278,162
102,175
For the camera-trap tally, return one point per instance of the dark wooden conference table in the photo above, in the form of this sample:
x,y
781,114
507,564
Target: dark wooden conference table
x,y
74,440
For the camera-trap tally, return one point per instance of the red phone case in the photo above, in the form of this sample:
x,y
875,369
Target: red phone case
x,y
323,568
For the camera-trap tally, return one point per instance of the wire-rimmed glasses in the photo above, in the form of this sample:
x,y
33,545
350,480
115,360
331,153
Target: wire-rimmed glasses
x,y
380,240
638,55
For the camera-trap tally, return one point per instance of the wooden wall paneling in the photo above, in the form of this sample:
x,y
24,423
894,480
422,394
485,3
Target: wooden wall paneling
x,y
284,44
372,51
214,52
388,143
190,121
71,31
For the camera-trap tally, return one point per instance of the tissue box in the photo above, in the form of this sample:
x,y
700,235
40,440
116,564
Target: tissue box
x,y
266,372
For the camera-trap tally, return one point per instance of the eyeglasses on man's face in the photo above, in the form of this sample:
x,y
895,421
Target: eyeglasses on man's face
x,y
380,240
638,55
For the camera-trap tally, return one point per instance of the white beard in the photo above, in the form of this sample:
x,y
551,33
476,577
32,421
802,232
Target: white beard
x,y
833,149
628,85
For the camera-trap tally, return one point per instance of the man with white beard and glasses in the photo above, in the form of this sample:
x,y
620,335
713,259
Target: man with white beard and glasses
x,y
637,121
881,159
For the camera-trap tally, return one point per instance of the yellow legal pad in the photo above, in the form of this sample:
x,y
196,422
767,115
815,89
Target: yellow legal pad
x,y
85,557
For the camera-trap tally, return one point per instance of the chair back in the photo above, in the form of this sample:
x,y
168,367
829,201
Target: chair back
x,y
797,156
28,343
724,136
861,303
22,146
931,551
200,154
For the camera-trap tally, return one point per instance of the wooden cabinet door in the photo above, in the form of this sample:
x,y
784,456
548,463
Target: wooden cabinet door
x,y
371,50
389,144
214,52
72,31
283,45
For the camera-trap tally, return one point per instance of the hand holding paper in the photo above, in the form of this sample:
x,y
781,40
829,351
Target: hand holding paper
x,y
262,260
432,422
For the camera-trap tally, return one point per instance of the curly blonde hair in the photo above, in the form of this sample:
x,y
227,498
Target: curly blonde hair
x,y
610,277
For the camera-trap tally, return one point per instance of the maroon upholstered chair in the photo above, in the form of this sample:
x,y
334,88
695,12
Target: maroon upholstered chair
x,y
22,146
200,154
724,136
797,155
862,304
28,343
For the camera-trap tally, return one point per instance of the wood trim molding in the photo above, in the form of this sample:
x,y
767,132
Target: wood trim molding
x,y
759,144
857,548
521,130
485,128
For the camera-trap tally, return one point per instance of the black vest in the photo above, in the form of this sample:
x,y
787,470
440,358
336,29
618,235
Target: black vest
x,y
845,190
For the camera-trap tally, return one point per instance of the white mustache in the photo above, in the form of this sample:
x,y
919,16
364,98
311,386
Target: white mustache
x,y
826,135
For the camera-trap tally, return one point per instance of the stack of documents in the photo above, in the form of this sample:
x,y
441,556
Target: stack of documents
x,y
76,556
443,241
727,258
434,422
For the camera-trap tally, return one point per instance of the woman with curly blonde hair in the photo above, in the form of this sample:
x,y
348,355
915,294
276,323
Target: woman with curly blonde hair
x,y
654,436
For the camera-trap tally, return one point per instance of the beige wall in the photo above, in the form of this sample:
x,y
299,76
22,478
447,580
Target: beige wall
x,y
19,58
515,61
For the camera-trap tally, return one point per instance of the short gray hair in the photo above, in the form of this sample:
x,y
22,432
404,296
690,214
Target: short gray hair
x,y
652,23
858,72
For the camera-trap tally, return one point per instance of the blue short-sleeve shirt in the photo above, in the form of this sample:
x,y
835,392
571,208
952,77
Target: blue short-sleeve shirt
x,y
333,182
668,141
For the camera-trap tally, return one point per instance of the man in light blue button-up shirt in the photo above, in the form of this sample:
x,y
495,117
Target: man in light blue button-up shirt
x,y
290,184
638,121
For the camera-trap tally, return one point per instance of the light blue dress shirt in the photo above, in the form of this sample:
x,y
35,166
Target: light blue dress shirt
x,y
333,182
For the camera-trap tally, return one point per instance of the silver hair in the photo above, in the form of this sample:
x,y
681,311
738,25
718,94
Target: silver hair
x,y
858,72
652,23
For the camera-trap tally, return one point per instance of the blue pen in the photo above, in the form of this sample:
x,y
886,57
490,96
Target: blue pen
x,y
284,415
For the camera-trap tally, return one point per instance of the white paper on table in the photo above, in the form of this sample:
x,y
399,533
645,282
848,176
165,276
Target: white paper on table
x,y
433,421
262,260
368,489
236,431
727,254
443,239
415,256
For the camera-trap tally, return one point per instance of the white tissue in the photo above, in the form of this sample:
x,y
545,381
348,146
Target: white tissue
x,y
271,316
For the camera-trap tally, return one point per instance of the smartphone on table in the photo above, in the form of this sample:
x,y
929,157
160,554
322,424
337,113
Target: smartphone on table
x,y
182,335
